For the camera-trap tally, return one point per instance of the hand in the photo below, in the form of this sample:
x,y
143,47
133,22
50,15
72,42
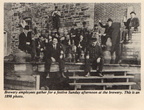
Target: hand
x,y
79,45
99,21
87,57
98,60
73,35
41,49
61,56
53,59
46,40
62,38
132,28
61,52
33,38
28,43
104,34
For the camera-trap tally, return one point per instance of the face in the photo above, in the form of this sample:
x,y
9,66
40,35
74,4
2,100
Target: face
x,y
43,32
55,41
81,37
26,31
109,23
96,27
94,43
42,38
132,15
67,37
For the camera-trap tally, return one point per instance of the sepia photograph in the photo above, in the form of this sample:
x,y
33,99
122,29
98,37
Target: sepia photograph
x,y
72,46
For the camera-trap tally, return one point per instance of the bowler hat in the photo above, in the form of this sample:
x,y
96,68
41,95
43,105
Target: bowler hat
x,y
95,25
109,20
26,27
133,12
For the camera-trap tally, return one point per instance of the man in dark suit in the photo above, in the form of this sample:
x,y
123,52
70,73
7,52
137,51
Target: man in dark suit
x,y
94,56
25,41
108,31
131,25
54,53
80,48
56,18
85,32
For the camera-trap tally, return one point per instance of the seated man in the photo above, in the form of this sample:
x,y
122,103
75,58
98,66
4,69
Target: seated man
x,y
80,47
96,32
25,41
66,41
131,25
54,53
40,46
94,56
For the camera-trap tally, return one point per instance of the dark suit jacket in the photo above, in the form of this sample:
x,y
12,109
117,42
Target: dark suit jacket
x,y
108,30
132,23
51,52
115,36
94,52
23,39
86,34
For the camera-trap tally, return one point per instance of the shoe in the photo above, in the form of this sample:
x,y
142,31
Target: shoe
x,y
88,74
129,41
47,76
63,75
78,60
100,74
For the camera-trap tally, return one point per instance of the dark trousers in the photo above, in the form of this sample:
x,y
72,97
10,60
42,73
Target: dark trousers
x,y
94,64
79,51
48,63
127,32
30,50
56,23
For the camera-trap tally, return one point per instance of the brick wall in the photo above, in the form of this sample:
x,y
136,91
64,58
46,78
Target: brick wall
x,y
115,11
41,17
71,13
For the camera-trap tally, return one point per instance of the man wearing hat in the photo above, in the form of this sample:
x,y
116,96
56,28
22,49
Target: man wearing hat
x,y
96,32
108,31
54,53
85,32
56,18
131,25
94,57
25,40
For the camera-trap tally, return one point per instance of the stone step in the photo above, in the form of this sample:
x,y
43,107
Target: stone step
x,y
17,87
97,77
104,71
79,85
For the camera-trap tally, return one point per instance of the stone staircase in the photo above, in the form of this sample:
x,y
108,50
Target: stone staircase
x,y
131,51
116,76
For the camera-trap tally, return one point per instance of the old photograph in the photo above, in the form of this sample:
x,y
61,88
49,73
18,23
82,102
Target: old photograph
x,y
72,46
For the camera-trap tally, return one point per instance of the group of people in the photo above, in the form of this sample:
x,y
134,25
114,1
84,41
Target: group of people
x,y
78,42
